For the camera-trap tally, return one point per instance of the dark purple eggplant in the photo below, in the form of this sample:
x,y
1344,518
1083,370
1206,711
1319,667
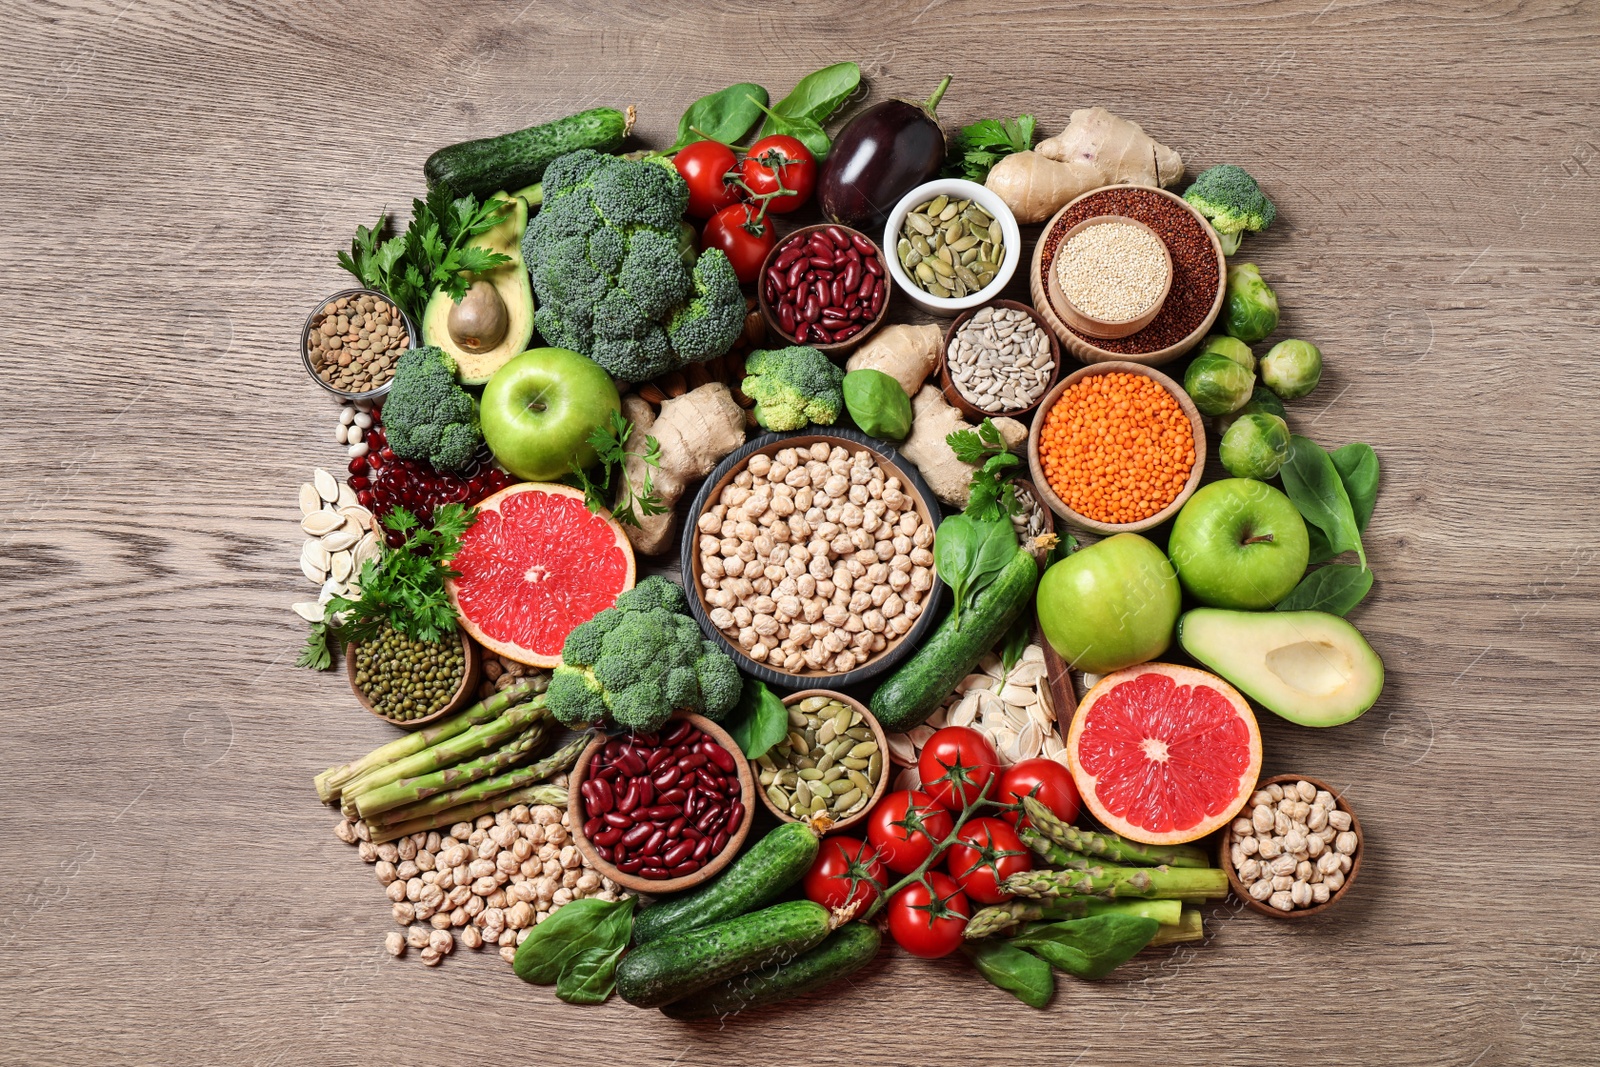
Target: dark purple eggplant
x,y
880,156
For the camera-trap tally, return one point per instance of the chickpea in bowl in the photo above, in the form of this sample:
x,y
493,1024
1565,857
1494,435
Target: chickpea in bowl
x,y
812,558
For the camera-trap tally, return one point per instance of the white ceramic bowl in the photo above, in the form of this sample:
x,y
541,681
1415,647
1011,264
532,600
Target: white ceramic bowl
x,y
955,189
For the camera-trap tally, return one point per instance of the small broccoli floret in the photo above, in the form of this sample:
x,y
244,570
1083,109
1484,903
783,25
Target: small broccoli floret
x,y
793,386
654,592
720,681
612,273
575,698
639,661
427,415
705,326
1233,202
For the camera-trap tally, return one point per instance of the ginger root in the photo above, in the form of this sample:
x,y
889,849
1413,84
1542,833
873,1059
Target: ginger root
x,y
694,430
908,354
1097,148
933,419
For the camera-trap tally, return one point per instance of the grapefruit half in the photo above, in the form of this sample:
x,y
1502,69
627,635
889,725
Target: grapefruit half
x,y
534,565
1164,754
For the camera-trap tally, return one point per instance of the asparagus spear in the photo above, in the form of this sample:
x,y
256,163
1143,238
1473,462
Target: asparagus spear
x,y
533,794
330,783
1189,928
470,792
1053,853
1109,883
998,918
1110,846
406,791
466,745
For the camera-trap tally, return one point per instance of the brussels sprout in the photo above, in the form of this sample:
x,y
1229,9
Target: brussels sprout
x,y
1220,344
1217,384
1262,401
1292,368
1250,310
877,403
1255,446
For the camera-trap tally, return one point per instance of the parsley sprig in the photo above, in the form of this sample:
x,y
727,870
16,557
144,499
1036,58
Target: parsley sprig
x,y
980,146
992,495
634,501
434,252
403,589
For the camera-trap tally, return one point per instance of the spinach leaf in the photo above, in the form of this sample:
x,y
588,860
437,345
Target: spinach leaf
x,y
725,115
590,976
997,543
1313,483
1093,947
570,949
1336,588
812,102
1022,974
1357,465
970,553
820,94
955,549
762,720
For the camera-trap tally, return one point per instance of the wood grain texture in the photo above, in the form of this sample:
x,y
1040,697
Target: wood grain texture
x,y
176,179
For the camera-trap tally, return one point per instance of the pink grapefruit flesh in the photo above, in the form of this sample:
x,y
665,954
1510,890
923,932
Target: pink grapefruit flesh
x,y
534,565
1164,754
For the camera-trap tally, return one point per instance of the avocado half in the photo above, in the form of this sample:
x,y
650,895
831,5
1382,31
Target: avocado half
x,y
1309,667
510,282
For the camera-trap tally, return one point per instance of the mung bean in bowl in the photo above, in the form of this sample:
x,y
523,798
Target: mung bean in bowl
x,y
972,239
411,683
832,765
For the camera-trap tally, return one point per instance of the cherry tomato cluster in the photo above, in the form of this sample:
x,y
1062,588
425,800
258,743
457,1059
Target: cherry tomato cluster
x,y
735,196
958,766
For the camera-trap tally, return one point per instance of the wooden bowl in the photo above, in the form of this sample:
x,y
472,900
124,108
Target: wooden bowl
x,y
658,886
689,556
458,700
1241,891
1042,485
1082,321
948,385
770,314
1084,348
883,747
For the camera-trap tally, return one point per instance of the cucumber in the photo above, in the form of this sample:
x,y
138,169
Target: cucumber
x,y
846,950
516,159
671,968
767,868
917,688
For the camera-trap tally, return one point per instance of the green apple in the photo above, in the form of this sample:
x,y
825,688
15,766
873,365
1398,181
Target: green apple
x,y
1239,543
1110,605
540,408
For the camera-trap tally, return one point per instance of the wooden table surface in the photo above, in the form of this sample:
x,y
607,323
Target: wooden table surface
x,y
176,178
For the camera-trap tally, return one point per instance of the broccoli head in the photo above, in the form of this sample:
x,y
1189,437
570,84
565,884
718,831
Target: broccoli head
x,y
1233,202
427,415
608,263
793,386
639,661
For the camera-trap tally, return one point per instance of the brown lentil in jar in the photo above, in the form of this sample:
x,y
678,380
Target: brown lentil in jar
x,y
1195,270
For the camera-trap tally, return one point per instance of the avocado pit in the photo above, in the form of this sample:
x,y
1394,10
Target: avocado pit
x,y
479,320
